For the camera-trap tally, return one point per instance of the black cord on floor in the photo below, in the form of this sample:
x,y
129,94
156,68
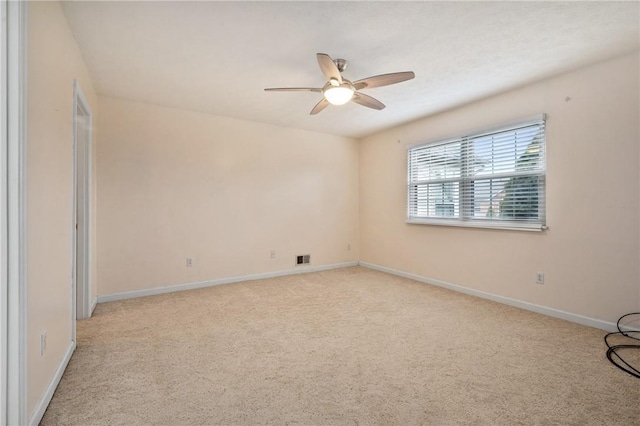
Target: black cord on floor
x,y
613,350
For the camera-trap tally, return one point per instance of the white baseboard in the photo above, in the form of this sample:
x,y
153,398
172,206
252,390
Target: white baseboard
x,y
220,281
552,312
36,417
93,305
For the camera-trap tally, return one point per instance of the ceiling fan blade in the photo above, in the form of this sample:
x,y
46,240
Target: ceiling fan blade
x,y
293,89
319,106
368,101
383,80
328,67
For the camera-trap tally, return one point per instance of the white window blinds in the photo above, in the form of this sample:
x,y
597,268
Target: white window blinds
x,y
489,179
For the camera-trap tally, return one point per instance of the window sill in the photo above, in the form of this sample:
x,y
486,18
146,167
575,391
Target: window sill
x,y
508,226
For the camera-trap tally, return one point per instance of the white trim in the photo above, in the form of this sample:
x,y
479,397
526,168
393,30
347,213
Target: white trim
x,y
94,304
4,258
627,329
220,281
74,208
83,292
552,312
507,226
16,204
42,405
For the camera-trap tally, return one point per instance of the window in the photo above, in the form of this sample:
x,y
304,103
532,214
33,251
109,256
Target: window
x,y
493,179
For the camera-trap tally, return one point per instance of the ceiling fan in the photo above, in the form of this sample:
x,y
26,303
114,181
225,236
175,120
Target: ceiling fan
x,y
339,90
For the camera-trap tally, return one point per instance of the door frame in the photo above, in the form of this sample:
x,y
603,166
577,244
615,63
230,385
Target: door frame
x,y
13,287
81,232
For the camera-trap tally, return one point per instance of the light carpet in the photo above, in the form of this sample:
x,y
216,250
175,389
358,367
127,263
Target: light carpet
x,y
342,347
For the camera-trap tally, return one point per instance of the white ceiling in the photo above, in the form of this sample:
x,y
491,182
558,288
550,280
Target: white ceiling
x,y
217,57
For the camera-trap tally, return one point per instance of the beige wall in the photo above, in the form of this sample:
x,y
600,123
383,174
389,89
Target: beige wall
x,y
175,184
590,252
54,62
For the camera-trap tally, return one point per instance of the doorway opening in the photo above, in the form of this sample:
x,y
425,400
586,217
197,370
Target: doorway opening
x,y
82,298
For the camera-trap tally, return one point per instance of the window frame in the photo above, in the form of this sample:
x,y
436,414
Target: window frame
x,y
466,221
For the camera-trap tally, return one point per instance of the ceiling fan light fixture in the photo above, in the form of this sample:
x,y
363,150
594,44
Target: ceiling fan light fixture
x,y
338,95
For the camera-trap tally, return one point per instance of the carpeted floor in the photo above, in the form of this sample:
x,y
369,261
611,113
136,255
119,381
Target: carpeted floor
x,y
349,346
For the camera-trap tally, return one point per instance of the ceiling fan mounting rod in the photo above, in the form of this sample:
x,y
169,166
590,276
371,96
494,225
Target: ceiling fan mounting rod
x,y
341,64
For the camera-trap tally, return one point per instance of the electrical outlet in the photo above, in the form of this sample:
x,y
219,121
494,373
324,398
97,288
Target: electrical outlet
x,y
273,254
43,342
189,262
539,277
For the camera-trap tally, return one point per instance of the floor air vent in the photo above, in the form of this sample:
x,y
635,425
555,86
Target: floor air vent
x,y
303,260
